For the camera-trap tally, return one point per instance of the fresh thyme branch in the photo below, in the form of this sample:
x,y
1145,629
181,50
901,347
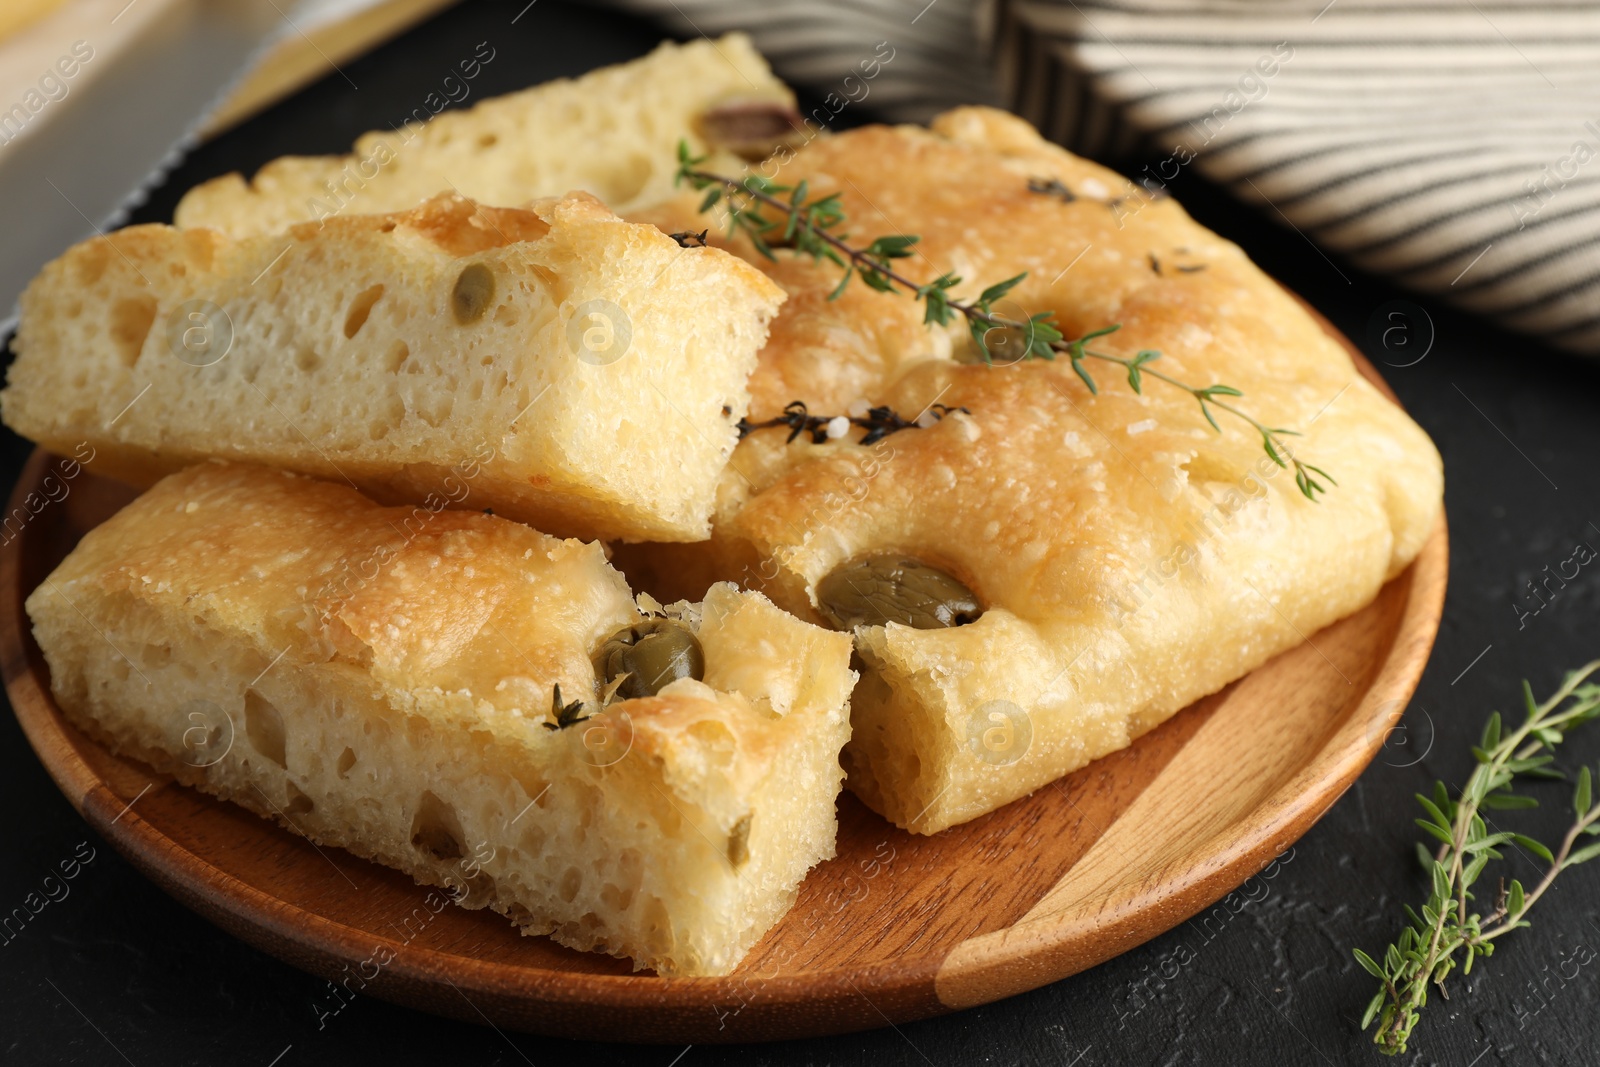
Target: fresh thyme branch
x,y
1449,926
811,227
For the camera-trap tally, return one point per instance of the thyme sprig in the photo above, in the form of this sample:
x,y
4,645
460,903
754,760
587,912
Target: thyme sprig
x,y
811,227
1449,925
565,715
879,422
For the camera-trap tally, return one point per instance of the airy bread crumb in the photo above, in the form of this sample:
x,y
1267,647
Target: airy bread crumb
x,y
562,366
281,643
613,132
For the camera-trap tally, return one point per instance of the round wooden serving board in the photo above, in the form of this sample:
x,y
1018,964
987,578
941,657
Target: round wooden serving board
x,y
896,927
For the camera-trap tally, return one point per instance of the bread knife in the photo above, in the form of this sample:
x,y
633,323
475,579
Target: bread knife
x,y
77,162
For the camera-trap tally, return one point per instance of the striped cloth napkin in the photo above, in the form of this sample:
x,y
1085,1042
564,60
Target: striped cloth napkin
x,y
934,60
1449,144
1452,145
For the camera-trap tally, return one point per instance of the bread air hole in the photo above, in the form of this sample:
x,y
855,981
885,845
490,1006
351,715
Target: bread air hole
x,y
347,759
629,875
360,308
299,803
263,725
389,417
739,842
1211,467
399,352
533,787
131,320
435,409
435,829
658,927
92,264
630,869
717,744
627,178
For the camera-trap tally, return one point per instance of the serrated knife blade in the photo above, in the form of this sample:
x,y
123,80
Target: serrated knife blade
x,y
83,159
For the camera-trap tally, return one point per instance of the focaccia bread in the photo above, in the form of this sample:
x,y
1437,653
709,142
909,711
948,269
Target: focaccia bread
x,y
557,364
1126,558
383,679
613,132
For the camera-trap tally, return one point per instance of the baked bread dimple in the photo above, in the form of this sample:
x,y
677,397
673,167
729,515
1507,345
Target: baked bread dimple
x,y
557,364
613,132
1130,559
381,679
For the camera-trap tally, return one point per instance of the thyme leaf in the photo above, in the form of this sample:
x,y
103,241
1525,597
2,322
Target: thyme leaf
x,y
565,715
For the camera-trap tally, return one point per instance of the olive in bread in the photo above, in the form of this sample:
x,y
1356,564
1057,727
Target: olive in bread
x,y
420,688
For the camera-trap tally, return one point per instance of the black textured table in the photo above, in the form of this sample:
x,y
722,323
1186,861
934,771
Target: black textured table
x,y
111,970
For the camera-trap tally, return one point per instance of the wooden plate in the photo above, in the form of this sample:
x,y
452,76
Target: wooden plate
x,y
895,928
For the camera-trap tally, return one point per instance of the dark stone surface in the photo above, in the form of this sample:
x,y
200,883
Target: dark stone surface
x,y
118,972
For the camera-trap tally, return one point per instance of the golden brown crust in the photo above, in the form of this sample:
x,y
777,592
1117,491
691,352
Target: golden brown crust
x,y
962,186
1131,558
422,600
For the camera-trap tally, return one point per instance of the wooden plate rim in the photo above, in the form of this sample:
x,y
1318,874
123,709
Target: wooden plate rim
x,y
1024,956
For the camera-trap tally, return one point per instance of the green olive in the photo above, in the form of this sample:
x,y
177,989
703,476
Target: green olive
x,y
881,589
651,653
472,294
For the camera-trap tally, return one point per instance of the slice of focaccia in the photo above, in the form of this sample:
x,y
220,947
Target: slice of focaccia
x,y
558,364
421,689
1120,557
613,132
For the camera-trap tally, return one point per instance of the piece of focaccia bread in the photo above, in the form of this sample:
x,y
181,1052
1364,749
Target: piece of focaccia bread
x,y
1127,559
382,679
613,132
558,364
